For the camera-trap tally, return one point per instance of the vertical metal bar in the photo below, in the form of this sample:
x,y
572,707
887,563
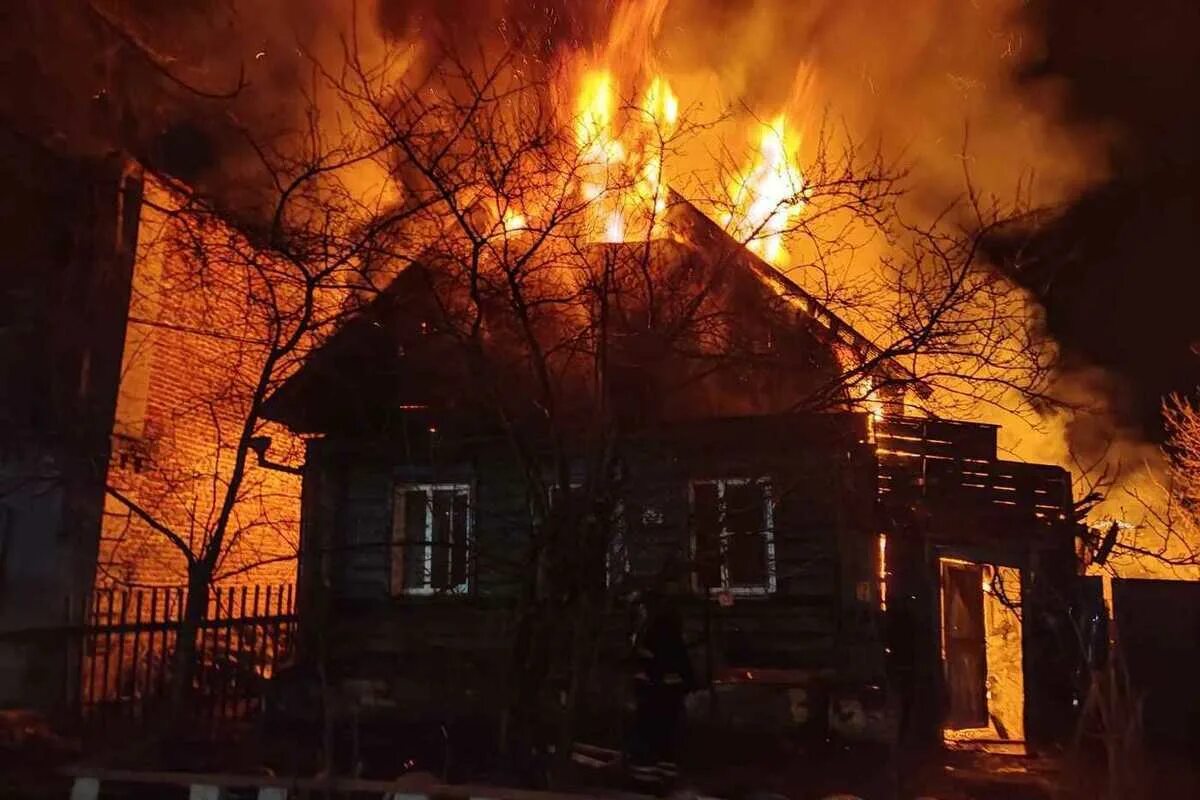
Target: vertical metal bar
x,y
290,624
242,700
135,695
275,654
221,659
107,650
89,650
121,636
164,658
227,674
219,672
171,613
267,602
233,647
258,652
219,662
270,629
151,652
209,650
215,666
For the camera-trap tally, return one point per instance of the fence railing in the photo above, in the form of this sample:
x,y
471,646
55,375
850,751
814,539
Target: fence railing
x,y
130,638
957,462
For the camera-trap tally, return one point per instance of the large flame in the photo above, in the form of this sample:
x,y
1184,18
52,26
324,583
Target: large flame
x,y
621,155
622,152
622,147
767,196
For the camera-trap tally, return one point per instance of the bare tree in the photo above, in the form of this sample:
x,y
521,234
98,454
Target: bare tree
x,y
225,309
1139,501
563,272
1163,535
1182,418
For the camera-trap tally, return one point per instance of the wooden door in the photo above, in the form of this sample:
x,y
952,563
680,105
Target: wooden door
x,y
965,649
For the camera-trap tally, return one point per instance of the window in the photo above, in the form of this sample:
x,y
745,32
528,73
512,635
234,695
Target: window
x,y
431,538
733,546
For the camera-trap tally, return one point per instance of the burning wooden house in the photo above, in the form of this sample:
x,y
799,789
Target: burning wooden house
x,y
838,562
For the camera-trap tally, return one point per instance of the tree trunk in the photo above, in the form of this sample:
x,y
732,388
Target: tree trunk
x,y
187,652
524,683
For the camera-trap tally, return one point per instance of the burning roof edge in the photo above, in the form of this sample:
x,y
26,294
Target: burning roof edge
x,y
697,230
837,328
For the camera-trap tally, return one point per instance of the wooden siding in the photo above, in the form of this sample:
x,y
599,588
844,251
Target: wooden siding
x,y
823,488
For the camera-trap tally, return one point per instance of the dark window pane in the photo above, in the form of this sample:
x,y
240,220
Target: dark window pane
x,y
745,526
414,538
706,519
440,556
458,550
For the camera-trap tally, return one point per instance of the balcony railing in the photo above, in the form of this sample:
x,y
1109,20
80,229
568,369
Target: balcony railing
x,y
956,463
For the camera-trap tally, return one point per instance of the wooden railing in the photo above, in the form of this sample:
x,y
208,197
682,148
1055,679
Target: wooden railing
x,y
955,462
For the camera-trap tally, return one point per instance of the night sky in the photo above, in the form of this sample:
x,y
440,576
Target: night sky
x,y
1119,275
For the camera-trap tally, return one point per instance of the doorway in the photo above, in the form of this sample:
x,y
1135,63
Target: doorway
x,y
983,676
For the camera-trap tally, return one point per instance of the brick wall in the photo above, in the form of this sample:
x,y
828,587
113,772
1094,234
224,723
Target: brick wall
x,y
201,310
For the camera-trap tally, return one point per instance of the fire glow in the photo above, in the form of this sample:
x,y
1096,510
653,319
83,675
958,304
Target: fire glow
x,y
621,163
767,196
622,167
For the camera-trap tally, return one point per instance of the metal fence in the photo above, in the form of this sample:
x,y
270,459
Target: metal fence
x,y
130,637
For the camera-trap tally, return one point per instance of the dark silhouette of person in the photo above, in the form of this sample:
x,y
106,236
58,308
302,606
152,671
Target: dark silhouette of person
x,y
662,678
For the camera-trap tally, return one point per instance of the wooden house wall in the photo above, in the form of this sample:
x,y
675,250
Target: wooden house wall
x,y
823,538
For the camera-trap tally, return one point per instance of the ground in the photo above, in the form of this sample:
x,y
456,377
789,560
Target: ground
x,y
32,755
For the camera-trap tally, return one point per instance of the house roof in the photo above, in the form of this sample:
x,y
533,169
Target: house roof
x,y
371,352
699,229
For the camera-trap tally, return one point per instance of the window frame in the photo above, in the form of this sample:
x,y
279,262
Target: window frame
x,y
399,545
770,586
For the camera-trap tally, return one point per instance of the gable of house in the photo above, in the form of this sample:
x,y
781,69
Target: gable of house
x,y
711,331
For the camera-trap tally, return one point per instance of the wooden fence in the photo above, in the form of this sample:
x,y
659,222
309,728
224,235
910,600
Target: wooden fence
x,y
129,641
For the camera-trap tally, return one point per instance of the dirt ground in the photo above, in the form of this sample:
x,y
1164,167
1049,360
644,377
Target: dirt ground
x,y
742,767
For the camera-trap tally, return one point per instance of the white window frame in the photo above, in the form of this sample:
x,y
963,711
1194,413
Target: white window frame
x,y
399,542
771,584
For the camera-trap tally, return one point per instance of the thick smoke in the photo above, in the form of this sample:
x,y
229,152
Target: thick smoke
x,y
944,87
928,78
948,90
914,74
